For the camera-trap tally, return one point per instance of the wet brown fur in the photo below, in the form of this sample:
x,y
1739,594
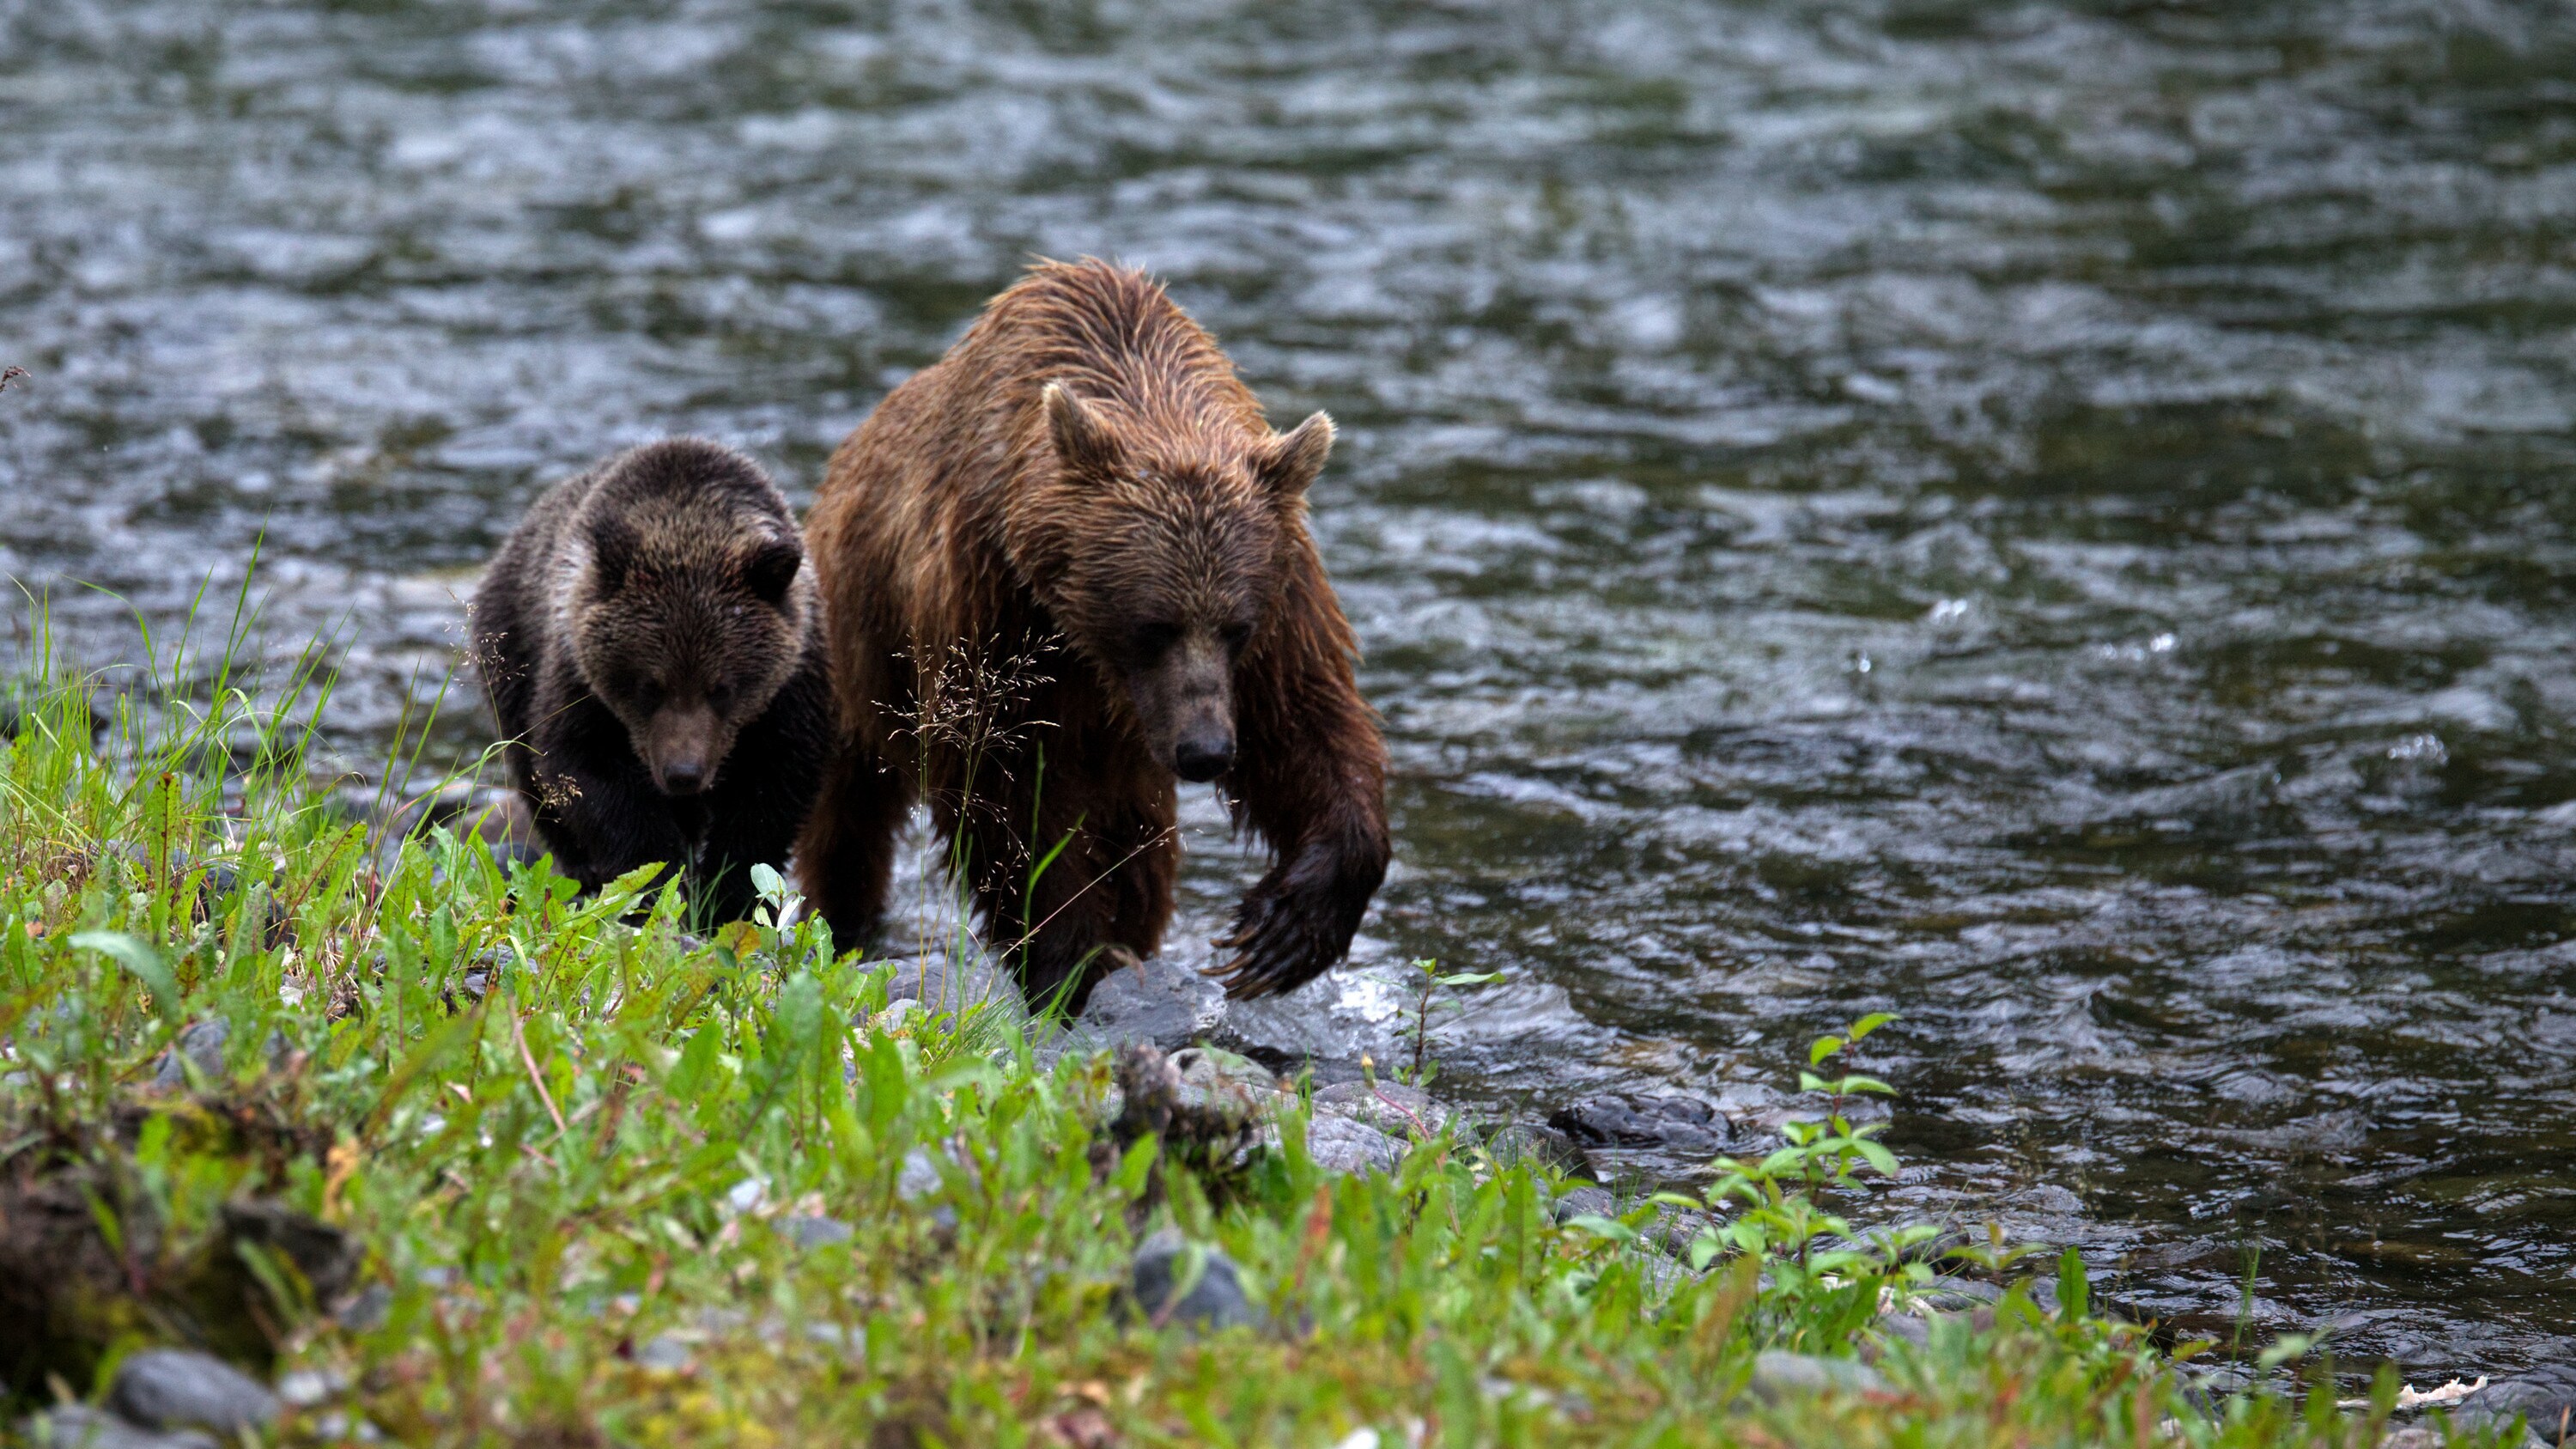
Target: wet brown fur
x,y
1084,490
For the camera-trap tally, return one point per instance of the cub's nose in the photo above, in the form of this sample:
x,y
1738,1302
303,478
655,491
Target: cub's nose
x,y
1201,758
683,777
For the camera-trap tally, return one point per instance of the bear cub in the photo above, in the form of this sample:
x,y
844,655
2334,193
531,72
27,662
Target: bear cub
x,y
652,643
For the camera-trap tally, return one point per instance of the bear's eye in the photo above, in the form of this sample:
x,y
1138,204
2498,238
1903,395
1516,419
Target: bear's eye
x,y
1152,641
1235,636
718,696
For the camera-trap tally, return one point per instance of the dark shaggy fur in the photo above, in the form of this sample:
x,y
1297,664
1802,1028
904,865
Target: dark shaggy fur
x,y
1067,567
653,646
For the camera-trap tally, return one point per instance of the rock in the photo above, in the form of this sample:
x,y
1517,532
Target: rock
x,y
807,1231
1539,1145
946,984
1675,1229
1215,1073
1205,1124
1684,1126
2545,1397
1390,1107
202,1043
919,1177
1157,1002
78,1426
1215,1301
1338,1144
172,1388
1780,1376
1586,1201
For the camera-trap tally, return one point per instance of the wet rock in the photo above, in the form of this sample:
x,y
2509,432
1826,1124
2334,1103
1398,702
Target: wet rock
x,y
1338,1144
1157,1002
2545,1397
1675,1229
2230,804
1215,1301
1215,1074
1780,1376
1391,1107
171,1388
78,1426
1684,1126
950,984
919,1180
202,1044
1205,1124
1539,1145
1586,1201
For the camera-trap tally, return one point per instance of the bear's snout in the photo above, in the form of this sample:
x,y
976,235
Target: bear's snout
x,y
1202,756
682,749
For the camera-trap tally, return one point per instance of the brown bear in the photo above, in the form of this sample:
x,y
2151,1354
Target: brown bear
x,y
653,647
1067,567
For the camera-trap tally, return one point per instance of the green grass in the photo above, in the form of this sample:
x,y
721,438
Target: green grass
x,y
563,1181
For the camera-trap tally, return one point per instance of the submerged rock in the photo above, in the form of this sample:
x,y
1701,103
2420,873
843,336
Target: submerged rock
x,y
1215,1301
1540,1145
1684,1126
171,1388
2545,1397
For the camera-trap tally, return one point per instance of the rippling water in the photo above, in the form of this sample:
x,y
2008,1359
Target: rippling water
x,y
2054,519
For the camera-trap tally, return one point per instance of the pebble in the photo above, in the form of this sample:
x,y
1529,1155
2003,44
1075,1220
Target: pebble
x,y
168,1388
807,1231
1215,1301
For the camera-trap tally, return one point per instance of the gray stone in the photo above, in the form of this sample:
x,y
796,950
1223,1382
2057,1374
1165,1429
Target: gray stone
x,y
1215,1301
1585,1201
1780,1376
2545,1397
1684,1126
1338,1144
170,1388
1675,1229
1538,1145
201,1043
1215,1071
948,984
919,1177
1390,1107
1157,1002
807,1231
78,1426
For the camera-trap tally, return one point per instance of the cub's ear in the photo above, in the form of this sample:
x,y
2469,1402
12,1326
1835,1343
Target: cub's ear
x,y
614,549
772,568
1082,442
1296,456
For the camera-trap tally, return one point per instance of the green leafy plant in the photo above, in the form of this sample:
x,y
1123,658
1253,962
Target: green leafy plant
x,y
1429,980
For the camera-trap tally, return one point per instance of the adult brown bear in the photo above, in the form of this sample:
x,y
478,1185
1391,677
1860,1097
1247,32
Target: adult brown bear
x,y
1065,568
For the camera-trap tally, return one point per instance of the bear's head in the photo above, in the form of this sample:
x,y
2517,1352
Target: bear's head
x,y
1160,556
687,611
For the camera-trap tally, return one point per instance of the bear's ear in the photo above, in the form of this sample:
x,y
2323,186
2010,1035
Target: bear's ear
x,y
1296,456
772,568
614,545
1081,442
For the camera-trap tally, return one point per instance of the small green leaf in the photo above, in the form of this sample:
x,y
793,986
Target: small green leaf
x,y
1465,978
1136,1164
766,880
141,960
1824,1047
1871,1023
1849,1085
1703,1249
1878,1156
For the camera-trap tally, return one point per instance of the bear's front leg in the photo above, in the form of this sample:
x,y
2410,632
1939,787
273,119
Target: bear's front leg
x,y
602,823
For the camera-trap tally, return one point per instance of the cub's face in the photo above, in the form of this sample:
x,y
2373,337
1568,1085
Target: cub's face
x,y
688,643
1162,569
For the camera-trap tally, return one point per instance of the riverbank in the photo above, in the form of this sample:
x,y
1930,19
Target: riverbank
x,y
398,1145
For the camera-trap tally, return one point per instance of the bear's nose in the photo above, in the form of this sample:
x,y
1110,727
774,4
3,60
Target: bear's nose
x,y
683,777
1201,758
